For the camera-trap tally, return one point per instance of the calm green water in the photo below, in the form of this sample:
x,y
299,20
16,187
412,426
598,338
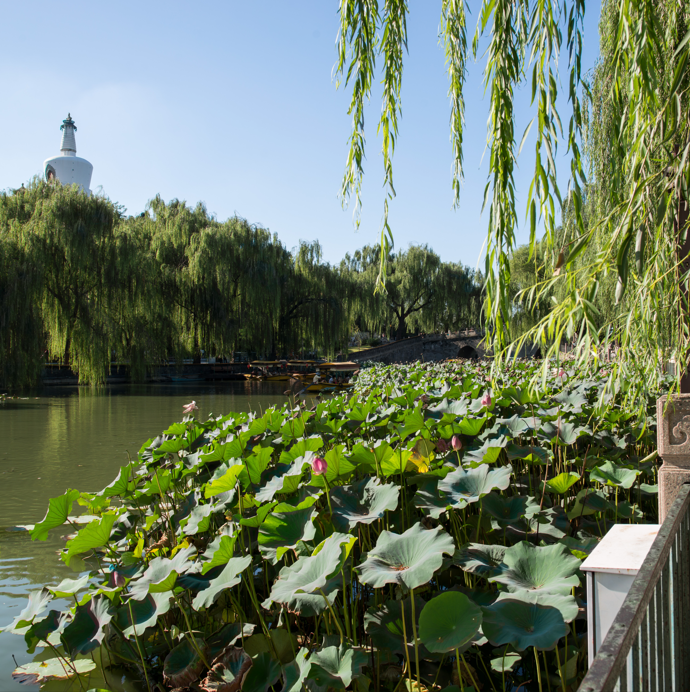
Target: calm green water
x,y
76,438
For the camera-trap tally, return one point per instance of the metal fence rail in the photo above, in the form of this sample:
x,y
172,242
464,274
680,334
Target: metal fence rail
x,y
648,645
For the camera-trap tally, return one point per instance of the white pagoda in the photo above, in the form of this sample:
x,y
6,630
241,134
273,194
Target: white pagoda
x,y
67,167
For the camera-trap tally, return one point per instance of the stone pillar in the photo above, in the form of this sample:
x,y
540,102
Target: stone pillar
x,y
673,442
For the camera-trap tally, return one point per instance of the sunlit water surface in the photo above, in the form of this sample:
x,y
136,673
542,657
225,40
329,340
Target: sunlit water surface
x,y
68,437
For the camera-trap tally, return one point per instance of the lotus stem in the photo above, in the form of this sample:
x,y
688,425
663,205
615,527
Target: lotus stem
x,y
461,684
189,627
346,613
546,670
414,636
561,672
536,659
407,650
469,672
136,639
336,619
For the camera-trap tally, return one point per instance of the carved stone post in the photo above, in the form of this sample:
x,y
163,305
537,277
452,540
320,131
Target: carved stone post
x,y
673,442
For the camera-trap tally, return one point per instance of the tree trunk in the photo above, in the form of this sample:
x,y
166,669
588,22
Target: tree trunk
x,y
401,332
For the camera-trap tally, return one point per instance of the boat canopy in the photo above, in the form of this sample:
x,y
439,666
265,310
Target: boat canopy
x,y
260,363
340,367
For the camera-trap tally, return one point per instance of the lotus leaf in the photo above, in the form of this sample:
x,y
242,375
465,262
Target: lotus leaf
x,y
339,468
122,484
228,671
183,665
288,481
43,628
38,602
53,668
135,616
409,559
229,577
551,568
506,510
85,632
611,474
384,624
336,666
449,621
522,624
161,574
560,483
283,529
58,511
309,575
566,604
264,673
219,551
226,482
428,498
484,560
462,487
506,662
362,502
94,535
295,673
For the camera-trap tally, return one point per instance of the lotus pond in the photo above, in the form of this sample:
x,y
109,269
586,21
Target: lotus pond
x,y
424,532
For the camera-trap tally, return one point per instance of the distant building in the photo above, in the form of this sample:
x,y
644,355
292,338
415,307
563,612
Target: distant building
x,y
67,167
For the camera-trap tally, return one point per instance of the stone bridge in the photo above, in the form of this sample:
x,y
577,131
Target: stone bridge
x,y
425,349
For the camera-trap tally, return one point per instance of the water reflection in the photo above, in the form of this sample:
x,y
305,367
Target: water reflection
x,y
77,438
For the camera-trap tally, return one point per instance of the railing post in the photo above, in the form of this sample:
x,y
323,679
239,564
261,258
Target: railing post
x,y
673,442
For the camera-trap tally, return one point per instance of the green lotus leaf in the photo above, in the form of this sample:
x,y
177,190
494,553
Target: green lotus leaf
x,y
510,427
611,474
310,604
295,673
94,535
58,511
449,621
429,500
589,501
219,552
484,560
228,671
384,624
183,665
362,502
261,513
487,453
563,432
339,468
68,587
288,480
282,644
535,455
161,574
255,464
409,559
122,484
283,529
226,482
199,520
38,602
454,408
336,666
571,401
522,624
264,673
52,669
506,662
42,628
550,568
566,604
229,577
85,632
507,510
551,521
462,487
135,616
560,483
309,575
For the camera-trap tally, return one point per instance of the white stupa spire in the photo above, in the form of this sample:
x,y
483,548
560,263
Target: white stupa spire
x,y
67,167
69,142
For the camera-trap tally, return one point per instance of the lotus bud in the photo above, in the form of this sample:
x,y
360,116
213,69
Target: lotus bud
x,y
319,466
486,399
456,442
117,579
442,446
561,373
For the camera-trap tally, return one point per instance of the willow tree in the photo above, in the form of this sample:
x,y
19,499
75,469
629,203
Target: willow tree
x,y
638,139
422,292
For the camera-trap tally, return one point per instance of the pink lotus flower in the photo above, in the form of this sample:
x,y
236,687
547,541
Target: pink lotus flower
x,y
442,446
456,442
561,373
188,408
117,579
486,399
319,466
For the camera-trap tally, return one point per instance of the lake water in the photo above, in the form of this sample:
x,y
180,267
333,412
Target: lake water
x,y
77,438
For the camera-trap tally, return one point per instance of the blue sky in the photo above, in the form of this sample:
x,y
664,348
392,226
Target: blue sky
x,y
232,103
